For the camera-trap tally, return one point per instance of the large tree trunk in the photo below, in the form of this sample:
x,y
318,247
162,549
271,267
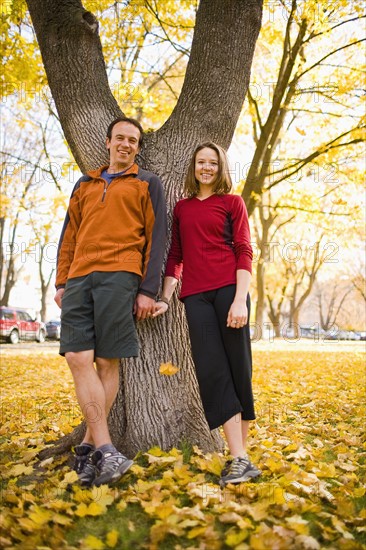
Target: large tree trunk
x,y
152,409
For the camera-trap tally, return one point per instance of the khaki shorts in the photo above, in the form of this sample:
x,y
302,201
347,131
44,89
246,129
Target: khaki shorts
x,y
97,314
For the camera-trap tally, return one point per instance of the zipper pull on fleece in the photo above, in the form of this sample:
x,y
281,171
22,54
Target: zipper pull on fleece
x,y
104,192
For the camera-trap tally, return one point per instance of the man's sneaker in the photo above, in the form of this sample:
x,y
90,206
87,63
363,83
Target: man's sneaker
x,y
225,470
84,465
240,469
111,465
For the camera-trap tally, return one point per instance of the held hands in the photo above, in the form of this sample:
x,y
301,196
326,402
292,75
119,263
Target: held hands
x,y
238,314
145,307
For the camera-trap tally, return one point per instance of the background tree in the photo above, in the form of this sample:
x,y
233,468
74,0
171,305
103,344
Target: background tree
x,y
359,283
17,180
26,171
43,217
303,73
265,230
330,299
273,234
152,409
297,92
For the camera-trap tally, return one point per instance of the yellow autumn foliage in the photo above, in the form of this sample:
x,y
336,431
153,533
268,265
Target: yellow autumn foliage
x,y
307,440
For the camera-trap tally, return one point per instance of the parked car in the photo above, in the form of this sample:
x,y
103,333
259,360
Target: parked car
x,y
354,335
53,329
17,324
309,332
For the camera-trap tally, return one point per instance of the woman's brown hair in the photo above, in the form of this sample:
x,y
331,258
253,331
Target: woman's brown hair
x,y
223,183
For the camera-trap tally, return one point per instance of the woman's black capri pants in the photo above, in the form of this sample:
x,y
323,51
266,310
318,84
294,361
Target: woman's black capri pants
x,y
222,356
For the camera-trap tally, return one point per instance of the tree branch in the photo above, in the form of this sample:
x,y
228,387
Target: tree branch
x,y
312,36
298,76
259,120
177,47
206,84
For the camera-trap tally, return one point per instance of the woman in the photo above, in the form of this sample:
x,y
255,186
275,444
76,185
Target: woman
x,y
211,239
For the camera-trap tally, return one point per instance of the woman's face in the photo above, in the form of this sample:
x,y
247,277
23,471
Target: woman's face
x,y
206,167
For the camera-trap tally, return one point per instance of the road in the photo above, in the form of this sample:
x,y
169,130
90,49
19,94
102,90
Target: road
x,y
277,344
48,346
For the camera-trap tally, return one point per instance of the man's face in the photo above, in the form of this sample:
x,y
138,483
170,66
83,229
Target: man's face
x,y
123,145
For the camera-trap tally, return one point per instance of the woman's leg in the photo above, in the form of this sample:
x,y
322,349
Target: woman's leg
x,y
219,399
244,432
238,351
234,436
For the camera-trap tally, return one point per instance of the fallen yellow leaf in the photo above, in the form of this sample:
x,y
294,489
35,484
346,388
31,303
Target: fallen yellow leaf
x,y
233,539
298,524
112,538
19,470
168,369
69,479
40,516
94,509
92,543
103,496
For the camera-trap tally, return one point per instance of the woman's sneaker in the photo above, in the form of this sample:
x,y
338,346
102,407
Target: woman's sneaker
x,y
111,466
240,469
83,464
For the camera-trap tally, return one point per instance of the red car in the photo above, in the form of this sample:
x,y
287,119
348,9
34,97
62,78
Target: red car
x,y
16,324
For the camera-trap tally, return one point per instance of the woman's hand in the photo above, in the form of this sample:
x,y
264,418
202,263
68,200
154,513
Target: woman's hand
x,y
238,314
160,308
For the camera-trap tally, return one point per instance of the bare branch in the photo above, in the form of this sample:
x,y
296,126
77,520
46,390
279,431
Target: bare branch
x,y
312,211
336,115
176,46
312,36
298,76
166,23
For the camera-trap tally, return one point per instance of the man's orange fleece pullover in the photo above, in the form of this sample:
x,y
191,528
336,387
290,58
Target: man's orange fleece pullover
x,y
117,227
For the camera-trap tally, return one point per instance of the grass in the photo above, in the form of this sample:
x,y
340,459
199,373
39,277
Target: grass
x,y
131,524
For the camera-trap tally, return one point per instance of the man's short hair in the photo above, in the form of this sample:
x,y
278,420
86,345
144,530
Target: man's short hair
x,y
132,121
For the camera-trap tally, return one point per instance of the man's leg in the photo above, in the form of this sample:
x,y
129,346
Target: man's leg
x,y
113,296
91,395
96,392
108,372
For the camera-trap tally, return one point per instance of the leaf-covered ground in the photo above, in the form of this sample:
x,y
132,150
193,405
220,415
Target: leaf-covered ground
x,y
307,440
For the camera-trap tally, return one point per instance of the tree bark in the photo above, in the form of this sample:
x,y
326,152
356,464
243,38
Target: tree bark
x,y
152,409
263,243
72,55
11,273
45,283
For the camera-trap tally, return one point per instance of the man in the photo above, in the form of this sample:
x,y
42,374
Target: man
x,y
109,263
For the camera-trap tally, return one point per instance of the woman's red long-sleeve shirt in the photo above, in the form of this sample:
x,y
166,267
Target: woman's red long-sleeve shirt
x,y
210,242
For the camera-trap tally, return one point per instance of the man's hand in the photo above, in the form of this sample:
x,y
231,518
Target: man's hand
x,y
58,297
144,307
